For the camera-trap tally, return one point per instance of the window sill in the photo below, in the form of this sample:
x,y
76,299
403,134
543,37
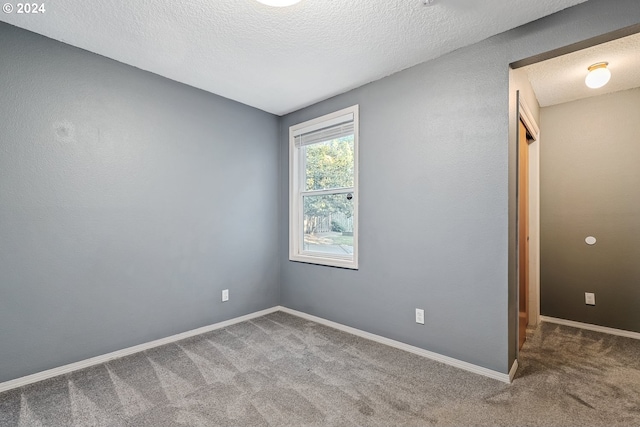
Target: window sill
x,y
326,261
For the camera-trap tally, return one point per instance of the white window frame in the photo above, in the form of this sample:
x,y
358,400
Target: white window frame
x,y
297,191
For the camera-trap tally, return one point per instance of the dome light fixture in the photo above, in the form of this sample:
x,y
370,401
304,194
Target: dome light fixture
x,y
279,3
598,76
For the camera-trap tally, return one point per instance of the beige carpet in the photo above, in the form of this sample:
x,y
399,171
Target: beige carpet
x,y
283,370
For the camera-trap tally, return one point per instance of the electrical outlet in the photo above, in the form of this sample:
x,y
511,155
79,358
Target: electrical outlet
x,y
420,316
225,295
589,298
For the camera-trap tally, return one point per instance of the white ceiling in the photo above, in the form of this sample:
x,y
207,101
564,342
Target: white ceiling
x,y
278,59
561,79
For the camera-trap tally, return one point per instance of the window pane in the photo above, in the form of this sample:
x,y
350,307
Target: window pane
x,y
328,224
329,164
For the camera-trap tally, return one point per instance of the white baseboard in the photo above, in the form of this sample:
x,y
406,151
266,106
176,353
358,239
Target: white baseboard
x,y
589,326
512,372
61,370
50,373
406,347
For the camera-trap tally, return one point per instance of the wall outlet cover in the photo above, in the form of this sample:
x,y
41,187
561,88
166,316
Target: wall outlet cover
x,y
420,316
225,295
589,298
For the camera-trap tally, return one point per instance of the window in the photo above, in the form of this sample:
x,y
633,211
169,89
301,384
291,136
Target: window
x,y
323,184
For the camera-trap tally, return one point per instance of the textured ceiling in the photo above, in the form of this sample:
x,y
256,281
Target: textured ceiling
x,y
561,79
278,59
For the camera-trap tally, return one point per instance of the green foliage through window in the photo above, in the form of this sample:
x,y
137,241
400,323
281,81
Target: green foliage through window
x,y
329,165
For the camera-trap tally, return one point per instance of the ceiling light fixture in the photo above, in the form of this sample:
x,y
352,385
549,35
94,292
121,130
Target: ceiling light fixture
x,y
598,76
279,3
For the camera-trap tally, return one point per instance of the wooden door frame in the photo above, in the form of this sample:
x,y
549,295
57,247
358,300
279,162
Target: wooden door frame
x,y
525,116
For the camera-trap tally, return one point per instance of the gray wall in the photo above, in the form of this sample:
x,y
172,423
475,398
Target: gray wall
x,y
590,181
127,203
437,196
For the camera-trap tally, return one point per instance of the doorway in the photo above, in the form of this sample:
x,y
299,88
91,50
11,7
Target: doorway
x,y
528,133
557,78
523,234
